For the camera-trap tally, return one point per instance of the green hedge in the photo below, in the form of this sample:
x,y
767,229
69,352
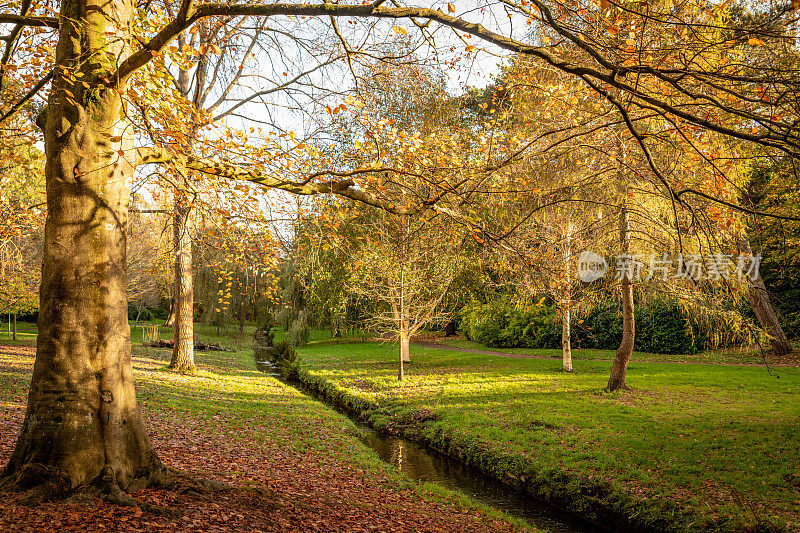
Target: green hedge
x,y
501,325
661,327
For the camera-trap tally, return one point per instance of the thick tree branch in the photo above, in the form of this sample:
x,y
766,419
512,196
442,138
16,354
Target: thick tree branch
x,y
612,75
24,100
736,207
36,22
340,187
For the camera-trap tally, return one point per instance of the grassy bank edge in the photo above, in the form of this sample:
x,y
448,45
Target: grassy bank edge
x,y
196,405
600,502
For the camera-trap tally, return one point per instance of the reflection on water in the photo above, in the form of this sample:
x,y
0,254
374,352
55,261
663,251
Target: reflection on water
x,y
268,368
422,464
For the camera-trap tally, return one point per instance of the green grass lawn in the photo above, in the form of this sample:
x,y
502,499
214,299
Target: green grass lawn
x,y
747,356
313,453
695,446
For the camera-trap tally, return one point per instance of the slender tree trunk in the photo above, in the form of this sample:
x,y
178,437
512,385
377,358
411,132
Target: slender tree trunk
x,y
566,343
183,347
405,345
401,360
566,332
620,365
171,318
242,305
15,326
758,298
405,335
82,425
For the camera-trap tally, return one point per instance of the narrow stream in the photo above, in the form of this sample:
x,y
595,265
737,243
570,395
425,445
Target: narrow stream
x,y
424,464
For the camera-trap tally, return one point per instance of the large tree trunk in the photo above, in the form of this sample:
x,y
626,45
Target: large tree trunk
x,y
82,424
758,298
620,365
183,348
15,326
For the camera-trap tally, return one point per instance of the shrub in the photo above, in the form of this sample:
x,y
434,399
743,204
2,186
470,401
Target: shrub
x,y
285,358
300,329
661,326
499,324
145,315
599,327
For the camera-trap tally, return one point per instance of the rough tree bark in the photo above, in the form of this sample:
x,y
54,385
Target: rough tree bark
x,y
82,425
183,348
620,365
14,337
758,298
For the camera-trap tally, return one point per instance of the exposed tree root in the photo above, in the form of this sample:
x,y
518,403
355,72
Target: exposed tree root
x,y
184,482
38,483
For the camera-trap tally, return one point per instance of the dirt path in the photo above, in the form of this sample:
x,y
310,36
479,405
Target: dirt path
x,y
438,346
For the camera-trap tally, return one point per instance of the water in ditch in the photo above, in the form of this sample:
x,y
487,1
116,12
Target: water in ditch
x,y
423,464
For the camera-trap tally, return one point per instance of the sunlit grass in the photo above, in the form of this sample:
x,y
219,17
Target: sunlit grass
x,y
751,355
251,407
721,441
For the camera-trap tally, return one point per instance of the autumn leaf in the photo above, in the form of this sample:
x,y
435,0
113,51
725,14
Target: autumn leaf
x,y
400,30
452,9
753,41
